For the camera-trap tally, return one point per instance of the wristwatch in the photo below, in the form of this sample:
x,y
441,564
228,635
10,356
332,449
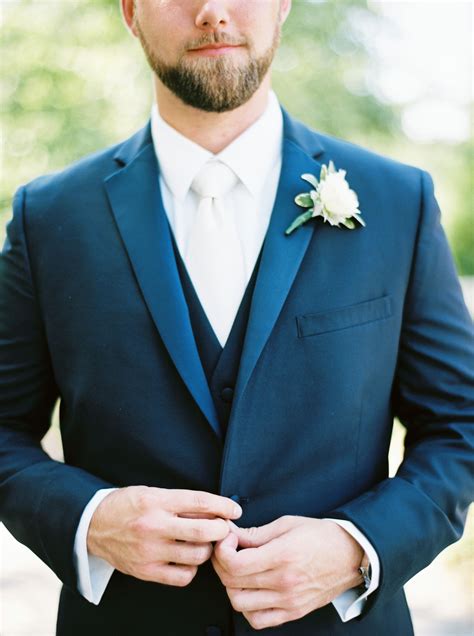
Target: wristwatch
x,y
365,571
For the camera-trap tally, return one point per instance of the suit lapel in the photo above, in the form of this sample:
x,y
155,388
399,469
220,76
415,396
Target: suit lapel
x,y
281,254
136,202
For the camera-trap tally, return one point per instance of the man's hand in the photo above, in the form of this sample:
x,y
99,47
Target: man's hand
x,y
159,534
288,568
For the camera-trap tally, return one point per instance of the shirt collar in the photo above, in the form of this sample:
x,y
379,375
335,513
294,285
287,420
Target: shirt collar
x,y
251,155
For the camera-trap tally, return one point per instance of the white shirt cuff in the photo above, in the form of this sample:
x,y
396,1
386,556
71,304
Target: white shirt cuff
x,y
93,573
350,603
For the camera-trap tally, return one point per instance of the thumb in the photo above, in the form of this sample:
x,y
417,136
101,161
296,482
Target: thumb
x,y
257,535
229,542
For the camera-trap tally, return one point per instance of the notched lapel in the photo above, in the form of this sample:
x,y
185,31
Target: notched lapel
x,y
135,198
282,254
136,202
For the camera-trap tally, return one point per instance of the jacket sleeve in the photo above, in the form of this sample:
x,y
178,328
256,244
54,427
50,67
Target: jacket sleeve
x,y
41,500
413,516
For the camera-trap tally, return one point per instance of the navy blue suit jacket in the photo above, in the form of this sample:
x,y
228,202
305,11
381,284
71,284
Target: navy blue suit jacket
x,y
347,329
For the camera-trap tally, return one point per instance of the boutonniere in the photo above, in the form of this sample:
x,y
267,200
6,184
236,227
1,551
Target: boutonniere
x,y
331,198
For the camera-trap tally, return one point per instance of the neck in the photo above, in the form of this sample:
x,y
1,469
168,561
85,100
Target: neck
x,y
213,131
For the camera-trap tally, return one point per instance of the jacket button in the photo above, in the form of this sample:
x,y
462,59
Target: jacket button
x,y
235,498
212,630
227,394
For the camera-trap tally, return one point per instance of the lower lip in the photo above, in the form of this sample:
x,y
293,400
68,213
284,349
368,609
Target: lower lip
x,y
217,51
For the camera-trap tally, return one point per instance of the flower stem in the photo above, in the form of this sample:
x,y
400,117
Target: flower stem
x,y
302,218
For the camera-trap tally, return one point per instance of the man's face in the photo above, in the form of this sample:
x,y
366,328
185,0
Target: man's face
x,y
214,80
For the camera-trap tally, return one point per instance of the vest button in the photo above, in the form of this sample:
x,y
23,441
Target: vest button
x,y
227,394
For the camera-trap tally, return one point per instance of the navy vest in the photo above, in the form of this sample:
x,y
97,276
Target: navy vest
x,y
220,364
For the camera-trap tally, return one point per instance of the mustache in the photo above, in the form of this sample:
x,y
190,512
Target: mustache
x,y
217,38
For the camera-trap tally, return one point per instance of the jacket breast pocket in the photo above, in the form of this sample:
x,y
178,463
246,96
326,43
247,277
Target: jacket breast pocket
x,y
344,317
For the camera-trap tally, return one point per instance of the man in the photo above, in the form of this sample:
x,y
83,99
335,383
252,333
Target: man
x,y
206,355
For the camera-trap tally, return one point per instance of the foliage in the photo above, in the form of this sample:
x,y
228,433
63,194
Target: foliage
x,y
461,231
74,80
320,70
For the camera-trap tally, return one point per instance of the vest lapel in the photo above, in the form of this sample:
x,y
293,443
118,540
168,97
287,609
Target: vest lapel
x,y
220,364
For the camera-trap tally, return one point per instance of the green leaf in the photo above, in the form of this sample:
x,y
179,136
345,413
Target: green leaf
x,y
360,219
302,218
349,223
310,179
304,200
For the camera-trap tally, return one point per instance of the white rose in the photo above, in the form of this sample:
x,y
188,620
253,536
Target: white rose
x,y
339,201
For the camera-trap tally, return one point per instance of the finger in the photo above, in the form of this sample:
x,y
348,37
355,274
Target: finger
x,y
204,503
200,515
252,600
250,560
185,553
196,530
259,535
269,618
179,575
229,542
268,580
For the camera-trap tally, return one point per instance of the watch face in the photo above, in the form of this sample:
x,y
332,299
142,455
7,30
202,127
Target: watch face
x,y
365,572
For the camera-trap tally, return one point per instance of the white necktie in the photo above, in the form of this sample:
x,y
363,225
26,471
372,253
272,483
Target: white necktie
x,y
213,253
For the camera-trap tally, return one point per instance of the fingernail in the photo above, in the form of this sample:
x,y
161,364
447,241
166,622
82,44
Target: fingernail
x,y
237,510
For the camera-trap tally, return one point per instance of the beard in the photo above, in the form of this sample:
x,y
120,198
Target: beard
x,y
214,84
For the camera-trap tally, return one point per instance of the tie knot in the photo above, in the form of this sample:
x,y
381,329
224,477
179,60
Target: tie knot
x,y
215,179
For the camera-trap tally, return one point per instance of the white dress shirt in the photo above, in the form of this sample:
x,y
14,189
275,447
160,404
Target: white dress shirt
x,y
255,156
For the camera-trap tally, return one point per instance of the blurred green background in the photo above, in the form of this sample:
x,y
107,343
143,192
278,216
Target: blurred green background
x,y
73,81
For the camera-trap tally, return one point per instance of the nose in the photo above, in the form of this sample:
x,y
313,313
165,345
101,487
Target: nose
x,y
212,14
